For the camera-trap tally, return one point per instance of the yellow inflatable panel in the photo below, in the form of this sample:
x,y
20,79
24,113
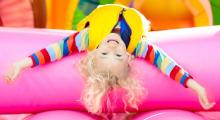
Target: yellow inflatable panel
x,y
201,10
70,14
59,13
168,14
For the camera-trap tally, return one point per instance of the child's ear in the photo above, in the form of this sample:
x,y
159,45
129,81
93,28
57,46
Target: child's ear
x,y
130,58
90,54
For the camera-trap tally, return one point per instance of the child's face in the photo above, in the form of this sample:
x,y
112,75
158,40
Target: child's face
x,y
111,56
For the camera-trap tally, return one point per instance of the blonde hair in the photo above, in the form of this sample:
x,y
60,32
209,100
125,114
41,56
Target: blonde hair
x,y
104,18
98,85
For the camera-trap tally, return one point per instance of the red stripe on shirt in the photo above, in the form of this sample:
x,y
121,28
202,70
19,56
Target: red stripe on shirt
x,y
150,47
74,47
34,62
174,72
46,55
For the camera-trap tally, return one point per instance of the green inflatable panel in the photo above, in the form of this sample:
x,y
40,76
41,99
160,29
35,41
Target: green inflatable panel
x,y
85,7
216,11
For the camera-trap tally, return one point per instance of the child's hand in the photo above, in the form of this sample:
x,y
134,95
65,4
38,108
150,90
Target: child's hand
x,y
203,99
202,94
12,73
16,69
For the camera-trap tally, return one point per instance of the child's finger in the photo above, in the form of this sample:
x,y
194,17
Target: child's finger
x,y
15,74
9,75
205,98
201,102
5,78
205,104
10,71
209,106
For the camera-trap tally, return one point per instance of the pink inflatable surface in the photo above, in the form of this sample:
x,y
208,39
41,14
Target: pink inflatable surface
x,y
58,85
62,115
168,115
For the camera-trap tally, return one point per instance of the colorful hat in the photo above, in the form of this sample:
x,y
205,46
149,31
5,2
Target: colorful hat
x,y
101,22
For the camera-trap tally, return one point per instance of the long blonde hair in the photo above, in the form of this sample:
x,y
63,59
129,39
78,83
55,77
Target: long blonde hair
x,y
98,85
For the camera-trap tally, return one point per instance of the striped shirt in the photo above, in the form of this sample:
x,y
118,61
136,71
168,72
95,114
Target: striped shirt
x,y
79,41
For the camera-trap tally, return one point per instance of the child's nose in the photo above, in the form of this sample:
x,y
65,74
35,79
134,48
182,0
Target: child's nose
x,y
112,44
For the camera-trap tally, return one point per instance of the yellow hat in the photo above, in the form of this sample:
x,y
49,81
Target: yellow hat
x,y
104,18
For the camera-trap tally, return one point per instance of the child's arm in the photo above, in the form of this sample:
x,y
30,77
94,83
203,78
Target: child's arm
x,y
169,67
163,62
55,51
71,44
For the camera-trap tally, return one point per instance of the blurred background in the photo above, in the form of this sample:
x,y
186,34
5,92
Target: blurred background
x,y
65,14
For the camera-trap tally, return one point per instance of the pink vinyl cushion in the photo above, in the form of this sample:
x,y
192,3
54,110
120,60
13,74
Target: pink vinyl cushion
x,y
58,85
62,115
168,115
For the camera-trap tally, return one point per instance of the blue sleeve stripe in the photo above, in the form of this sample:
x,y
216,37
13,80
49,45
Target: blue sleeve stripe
x,y
156,57
184,78
35,58
65,47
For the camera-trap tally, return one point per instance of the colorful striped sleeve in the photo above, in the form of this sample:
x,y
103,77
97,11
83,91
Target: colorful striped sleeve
x,y
162,61
76,42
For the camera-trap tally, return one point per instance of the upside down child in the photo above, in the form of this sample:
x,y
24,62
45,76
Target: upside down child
x,y
112,35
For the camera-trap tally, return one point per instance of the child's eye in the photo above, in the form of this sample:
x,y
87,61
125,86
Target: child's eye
x,y
104,53
118,55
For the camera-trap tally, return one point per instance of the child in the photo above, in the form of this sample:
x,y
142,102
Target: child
x,y
111,33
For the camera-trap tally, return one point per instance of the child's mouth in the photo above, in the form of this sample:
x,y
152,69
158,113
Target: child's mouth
x,y
113,41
